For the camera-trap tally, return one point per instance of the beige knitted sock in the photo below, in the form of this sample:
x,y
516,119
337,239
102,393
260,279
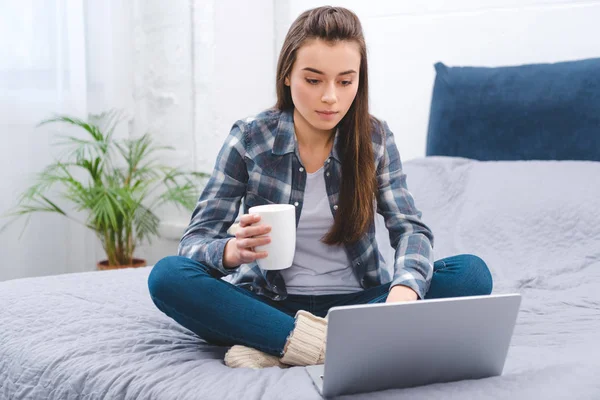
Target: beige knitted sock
x,y
307,342
247,357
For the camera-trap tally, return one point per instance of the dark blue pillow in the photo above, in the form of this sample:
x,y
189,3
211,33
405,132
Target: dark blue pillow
x,y
527,112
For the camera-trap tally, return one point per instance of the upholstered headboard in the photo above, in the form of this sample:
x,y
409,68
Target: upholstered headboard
x,y
527,112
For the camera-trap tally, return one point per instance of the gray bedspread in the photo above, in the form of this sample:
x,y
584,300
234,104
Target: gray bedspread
x,y
97,335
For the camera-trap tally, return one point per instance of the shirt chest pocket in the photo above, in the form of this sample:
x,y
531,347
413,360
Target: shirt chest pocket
x,y
267,189
269,181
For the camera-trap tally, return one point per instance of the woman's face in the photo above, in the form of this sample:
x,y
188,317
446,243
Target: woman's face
x,y
323,83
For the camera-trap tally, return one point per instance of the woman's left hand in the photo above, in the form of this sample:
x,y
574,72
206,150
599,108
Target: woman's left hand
x,y
401,293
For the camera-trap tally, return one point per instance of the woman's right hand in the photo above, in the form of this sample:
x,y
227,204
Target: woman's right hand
x,y
240,250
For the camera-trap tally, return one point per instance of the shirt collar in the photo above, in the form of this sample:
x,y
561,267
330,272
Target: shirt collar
x,y
285,138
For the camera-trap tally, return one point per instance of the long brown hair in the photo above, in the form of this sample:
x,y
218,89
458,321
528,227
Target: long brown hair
x,y
355,208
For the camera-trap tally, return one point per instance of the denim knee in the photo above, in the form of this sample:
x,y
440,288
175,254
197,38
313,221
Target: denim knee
x,y
160,280
484,283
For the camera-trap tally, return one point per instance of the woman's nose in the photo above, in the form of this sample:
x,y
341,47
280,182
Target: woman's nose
x,y
329,95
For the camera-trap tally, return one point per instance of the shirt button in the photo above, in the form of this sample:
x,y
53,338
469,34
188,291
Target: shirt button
x,y
300,169
329,159
296,204
335,207
327,174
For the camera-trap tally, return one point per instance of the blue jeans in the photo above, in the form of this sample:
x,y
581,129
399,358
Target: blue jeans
x,y
224,314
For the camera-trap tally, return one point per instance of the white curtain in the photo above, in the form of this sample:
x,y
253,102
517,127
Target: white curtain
x,y
69,56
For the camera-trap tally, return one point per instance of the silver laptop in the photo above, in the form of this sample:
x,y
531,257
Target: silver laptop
x,y
382,346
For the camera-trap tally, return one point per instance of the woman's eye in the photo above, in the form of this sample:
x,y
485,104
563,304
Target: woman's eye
x,y
312,81
346,83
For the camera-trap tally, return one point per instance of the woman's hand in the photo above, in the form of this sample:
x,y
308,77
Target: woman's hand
x,y
240,250
401,293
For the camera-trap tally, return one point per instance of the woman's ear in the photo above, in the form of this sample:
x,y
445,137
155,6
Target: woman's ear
x,y
286,81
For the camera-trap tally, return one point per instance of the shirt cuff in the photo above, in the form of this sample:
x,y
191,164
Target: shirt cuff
x,y
216,249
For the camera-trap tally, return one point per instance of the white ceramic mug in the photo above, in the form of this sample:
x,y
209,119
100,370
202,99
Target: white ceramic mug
x,y
282,219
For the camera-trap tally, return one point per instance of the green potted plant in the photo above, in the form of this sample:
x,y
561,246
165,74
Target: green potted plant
x,y
117,184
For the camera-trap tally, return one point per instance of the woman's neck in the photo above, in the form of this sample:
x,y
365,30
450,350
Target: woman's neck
x,y
310,138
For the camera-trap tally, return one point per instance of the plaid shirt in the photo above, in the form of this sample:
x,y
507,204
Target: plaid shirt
x,y
259,163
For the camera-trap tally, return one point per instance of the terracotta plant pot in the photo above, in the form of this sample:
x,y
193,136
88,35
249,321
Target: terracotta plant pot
x,y
137,262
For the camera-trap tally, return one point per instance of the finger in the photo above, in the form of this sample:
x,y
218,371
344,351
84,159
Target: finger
x,y
249,219
252,231
248,256
250,243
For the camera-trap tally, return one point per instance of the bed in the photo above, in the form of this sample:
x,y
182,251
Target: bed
x,y
532,216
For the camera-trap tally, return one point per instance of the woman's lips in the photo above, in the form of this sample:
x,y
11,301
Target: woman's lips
x,y
327,115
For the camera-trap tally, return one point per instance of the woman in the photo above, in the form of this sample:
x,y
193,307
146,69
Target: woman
x,y
320,150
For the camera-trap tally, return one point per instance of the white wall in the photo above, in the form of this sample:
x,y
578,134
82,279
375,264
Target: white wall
x,y
229,75
405,39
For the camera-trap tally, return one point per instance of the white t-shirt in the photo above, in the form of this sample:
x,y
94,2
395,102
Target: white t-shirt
x,y
318,268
